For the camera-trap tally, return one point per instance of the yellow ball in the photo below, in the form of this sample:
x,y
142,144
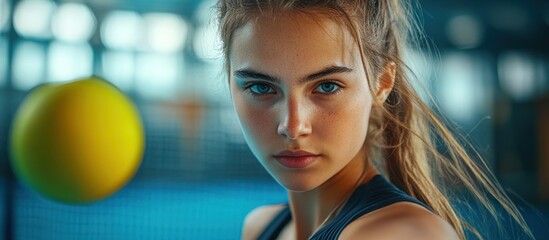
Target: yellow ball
x,y
76,142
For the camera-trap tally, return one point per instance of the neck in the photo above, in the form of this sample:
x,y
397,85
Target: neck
x,y
312,209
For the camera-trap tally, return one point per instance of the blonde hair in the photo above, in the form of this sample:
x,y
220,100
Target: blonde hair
x,y
403,129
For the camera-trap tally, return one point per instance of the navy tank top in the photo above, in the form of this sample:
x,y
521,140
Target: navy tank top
x,y
375,194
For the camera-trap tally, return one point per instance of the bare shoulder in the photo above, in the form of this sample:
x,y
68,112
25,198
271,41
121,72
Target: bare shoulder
x,y
257,220
402,220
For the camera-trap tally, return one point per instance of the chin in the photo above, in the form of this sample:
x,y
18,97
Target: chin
x,y
297,183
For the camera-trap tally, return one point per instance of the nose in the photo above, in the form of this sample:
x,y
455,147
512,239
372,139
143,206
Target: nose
x,y
295,119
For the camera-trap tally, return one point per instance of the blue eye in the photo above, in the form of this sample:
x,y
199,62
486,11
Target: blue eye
x,y
327,87
260,88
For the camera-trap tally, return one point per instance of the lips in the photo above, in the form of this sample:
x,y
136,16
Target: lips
x,y
295,159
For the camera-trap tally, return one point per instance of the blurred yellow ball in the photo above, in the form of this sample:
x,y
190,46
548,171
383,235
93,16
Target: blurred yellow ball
x,y
76,142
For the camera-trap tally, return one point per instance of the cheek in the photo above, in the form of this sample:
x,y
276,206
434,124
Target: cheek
x,y
256,122
347,125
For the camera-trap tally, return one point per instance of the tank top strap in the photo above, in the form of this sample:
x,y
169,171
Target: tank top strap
x,y
375,194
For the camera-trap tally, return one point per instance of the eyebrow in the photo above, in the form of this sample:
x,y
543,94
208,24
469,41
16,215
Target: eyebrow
x,y
249,73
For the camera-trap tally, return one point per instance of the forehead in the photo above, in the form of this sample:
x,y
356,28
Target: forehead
x,y
292,44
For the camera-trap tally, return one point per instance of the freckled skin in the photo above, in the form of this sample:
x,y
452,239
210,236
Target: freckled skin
x,y
295,116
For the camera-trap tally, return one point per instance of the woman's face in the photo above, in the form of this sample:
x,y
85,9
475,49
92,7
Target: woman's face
x,y
301,96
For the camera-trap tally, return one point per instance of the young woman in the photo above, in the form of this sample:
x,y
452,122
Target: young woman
x,y
326,105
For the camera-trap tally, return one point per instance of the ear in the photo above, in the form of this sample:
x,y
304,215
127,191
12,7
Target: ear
x,y
385,83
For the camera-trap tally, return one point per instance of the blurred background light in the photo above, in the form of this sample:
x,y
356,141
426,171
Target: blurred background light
x,y
207,44
32,18
157,75
69,61
122,30
4,15
165,32
206,41
206,80
3,61
205,12
461,90
465,31
420,63
73,22
119,67
517,76
29,65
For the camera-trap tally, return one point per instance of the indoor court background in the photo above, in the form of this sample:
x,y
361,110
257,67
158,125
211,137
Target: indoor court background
x,y
198,179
